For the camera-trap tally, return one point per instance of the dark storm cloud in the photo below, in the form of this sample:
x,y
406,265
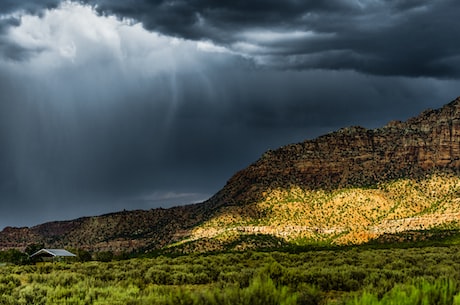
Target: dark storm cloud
x,y
12,6
411,38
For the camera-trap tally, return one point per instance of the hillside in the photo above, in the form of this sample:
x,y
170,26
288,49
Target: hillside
x,y
348,186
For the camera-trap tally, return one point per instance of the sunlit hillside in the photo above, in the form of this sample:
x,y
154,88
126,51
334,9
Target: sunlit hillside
x,y
342,216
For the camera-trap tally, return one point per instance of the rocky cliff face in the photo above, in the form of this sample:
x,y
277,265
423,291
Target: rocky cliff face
x,y
356,156
312,189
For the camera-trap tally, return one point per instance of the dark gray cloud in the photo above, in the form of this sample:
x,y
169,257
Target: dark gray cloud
x,y
410,38
12,6
99,115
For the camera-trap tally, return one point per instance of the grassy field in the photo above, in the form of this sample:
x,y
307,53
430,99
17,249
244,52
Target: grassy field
x,y
354,275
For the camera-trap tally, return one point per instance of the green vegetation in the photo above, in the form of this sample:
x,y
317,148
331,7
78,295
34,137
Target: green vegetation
x,y
441,292
343,216
348,276
13,256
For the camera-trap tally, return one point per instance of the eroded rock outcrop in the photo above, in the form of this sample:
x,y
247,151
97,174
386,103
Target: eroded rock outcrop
x,y
355,156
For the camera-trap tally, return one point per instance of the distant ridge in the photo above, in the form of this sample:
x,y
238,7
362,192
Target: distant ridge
x,y
347,186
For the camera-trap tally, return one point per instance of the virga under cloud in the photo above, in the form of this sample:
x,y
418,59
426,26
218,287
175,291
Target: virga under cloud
x,y
110,105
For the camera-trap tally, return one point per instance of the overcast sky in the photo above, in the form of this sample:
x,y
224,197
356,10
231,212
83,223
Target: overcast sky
x,y
108,105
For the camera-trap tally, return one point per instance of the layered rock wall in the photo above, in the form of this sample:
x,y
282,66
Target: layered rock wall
x,y
356,156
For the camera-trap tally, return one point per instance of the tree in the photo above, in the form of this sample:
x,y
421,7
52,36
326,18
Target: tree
x,y
105,256
33,248
83,255
13,256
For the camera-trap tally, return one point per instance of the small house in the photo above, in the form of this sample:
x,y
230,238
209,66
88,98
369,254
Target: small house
x,y
54,254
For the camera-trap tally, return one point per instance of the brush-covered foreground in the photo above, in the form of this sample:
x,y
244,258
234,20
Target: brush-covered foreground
x,y
358,275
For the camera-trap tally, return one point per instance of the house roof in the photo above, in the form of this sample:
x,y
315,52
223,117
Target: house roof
x,y
53,252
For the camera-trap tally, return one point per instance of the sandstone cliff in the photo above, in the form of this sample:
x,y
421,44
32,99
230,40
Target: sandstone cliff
x,y
356,156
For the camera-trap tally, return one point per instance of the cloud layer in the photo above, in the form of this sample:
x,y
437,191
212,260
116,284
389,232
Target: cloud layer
x,y
409,38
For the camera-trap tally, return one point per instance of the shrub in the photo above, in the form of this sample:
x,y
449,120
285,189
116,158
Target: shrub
x,y
13,256
421,292
83,255
104,256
